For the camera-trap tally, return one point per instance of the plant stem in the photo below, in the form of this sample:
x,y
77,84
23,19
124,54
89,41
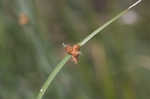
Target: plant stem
x,y
84,41
52,76
89,37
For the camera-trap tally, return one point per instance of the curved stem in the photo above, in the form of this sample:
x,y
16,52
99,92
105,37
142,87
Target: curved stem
x,y
90,36
84,41
52,76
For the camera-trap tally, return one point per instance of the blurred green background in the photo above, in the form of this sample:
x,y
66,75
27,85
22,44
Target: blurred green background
x,y
113,65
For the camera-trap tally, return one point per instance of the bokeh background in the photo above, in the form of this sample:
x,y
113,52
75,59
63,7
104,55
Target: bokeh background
x,y
113,65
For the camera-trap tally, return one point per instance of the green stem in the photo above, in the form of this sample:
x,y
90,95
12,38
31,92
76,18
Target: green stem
x,y
62,63
89,37
52,76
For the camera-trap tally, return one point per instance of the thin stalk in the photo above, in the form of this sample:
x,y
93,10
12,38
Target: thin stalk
x,y
52,76
60,65
84,41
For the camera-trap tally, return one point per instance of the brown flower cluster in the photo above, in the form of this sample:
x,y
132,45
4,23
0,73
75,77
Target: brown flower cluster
x,y
74,51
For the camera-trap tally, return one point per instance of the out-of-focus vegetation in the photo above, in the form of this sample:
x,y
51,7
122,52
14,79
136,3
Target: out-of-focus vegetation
x,y
114,65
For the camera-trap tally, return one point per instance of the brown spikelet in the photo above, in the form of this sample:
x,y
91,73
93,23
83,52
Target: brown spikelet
x,y
74,51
